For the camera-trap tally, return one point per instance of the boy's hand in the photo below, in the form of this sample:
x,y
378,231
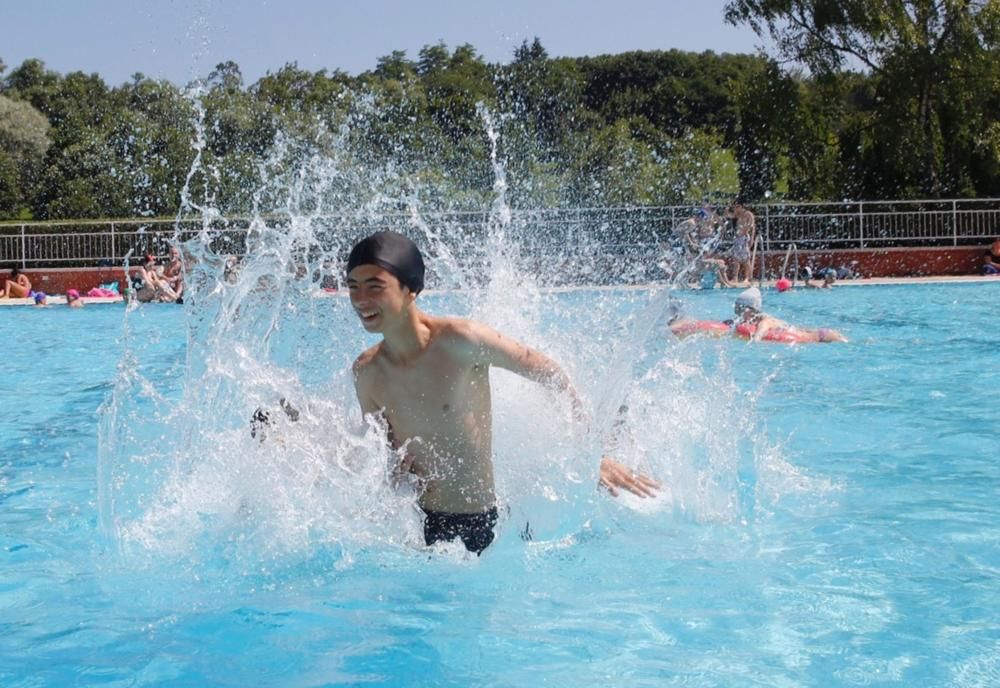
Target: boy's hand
x,y
615,475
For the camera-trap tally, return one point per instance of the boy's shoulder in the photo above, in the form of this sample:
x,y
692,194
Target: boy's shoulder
x,y
452,326
366,358
462,337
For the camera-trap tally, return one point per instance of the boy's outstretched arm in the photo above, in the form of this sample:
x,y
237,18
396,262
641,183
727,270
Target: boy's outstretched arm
x,y
510,354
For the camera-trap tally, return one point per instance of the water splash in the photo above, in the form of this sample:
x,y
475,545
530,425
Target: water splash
x,y
182,477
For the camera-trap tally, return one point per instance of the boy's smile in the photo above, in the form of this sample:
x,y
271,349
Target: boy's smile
x,y
376,295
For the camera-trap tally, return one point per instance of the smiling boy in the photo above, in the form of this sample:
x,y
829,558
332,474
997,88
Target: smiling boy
x,y
429,379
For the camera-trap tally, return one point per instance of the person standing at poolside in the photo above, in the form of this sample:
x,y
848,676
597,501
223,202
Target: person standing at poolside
x,y
429,381
740,253
715,258
17,286
701,241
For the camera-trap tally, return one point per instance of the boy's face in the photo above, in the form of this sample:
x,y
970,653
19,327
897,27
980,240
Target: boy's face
x,y
377,296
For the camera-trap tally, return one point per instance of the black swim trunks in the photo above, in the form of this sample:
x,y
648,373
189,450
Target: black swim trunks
x,y
475,530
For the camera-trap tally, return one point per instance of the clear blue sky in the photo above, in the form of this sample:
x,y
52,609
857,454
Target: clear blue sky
x,y
183,39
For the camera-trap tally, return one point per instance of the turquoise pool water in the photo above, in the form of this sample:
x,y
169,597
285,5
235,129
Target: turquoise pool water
x,y
832,514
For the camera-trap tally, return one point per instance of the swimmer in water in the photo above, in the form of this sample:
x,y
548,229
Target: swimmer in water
x,y
681,326
686,327
755,325
73,299
429,379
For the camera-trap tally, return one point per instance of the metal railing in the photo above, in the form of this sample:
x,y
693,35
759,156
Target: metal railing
x,y
623,232
756,251
875,224
791,254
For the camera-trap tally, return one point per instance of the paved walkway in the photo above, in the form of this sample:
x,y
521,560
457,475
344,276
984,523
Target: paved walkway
x,y
60,300
939,279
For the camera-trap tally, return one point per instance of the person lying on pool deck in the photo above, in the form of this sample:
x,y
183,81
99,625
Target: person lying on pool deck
x,y
429,380
755,325
17,286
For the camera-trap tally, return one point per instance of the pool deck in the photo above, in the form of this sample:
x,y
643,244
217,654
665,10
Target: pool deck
x,y
873,281
60,300
942,279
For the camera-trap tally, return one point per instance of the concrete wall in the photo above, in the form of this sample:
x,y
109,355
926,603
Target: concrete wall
x,y
889,262
58,280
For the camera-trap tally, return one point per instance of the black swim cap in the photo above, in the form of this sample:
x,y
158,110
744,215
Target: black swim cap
x,y
395,253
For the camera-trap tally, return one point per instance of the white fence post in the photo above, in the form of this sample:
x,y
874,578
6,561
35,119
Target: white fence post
x,y
767,227
861,224
954,223
24,248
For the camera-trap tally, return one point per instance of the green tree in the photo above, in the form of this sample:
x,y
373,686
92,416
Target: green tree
x,y
389,112
631,162
766,101
455,87
81,177
826,121
24,139
920,55
151,136
545,95
32,82
239,131
674,90
114,152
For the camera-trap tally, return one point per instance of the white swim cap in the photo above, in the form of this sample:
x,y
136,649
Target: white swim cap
x,y
750,298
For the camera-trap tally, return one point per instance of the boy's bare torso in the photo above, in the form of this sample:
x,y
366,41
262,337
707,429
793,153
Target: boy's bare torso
x,y
437,405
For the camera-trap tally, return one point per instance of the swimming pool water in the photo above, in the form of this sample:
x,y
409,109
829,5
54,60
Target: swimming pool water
x,y
873,560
